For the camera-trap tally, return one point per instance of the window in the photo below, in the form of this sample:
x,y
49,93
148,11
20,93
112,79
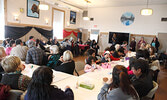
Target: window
x,y
58,24
2,22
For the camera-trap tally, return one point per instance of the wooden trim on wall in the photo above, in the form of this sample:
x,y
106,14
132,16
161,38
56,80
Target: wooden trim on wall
x,y
53,15
142,35
104,33
71,29
19,24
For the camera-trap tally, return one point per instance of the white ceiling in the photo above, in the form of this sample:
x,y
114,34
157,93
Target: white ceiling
x,y
110,3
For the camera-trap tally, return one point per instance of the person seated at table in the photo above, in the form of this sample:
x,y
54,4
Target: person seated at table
x,y
133,44
91,64
77,43
106,57
91,52
119,87
2,56
42,41
66,63
142,80
9,49
112,49
40,87
56,42
118,54
7,42
66,45
129,68
117,47
88,42
31,38
20,50
4,43
143,54
49,41
12,66
34,55
152,52
39,45
95,46
106,49
125,46
54,57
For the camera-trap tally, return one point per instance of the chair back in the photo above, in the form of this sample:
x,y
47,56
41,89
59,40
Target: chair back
x,y
152,92
79,66
14,94
155,65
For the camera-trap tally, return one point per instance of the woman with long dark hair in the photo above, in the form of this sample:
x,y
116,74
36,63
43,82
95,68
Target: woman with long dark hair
x,y
120,88
40,87
155,43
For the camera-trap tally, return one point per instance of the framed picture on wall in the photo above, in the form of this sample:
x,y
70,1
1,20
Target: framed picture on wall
x,y
33,8
72,17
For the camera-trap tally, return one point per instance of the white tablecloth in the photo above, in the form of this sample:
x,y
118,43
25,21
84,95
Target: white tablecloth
x,y
57,76
62,80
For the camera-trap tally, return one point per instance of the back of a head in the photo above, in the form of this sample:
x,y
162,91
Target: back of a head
x,y
10,63
31,37
42,74
11,43
131,60
112,48
54,49
141,64
121,50
31,44
121,80
117,46
67,55
116,75
89,60
139,53
90,52
18,41
39,88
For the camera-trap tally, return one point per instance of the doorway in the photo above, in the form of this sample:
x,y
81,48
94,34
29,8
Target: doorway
x,y
58,23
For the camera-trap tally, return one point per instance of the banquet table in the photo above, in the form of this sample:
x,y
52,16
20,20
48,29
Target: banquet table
x,y
82,47
95,78
57,75
61,80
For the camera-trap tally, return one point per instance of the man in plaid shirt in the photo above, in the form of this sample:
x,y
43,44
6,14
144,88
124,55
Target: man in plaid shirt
x,y
34,55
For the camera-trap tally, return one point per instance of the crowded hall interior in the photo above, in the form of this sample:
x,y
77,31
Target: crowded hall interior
x,y
83,49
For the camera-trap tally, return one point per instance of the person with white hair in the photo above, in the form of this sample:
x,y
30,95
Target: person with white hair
x,y
34,55
54,57
66,63
117,46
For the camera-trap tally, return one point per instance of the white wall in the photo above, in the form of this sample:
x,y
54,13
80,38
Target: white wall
x,y
13,7
2,19
108,19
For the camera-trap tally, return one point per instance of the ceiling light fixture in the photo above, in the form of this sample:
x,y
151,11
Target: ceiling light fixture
x,y
85,12
146,11
43,6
